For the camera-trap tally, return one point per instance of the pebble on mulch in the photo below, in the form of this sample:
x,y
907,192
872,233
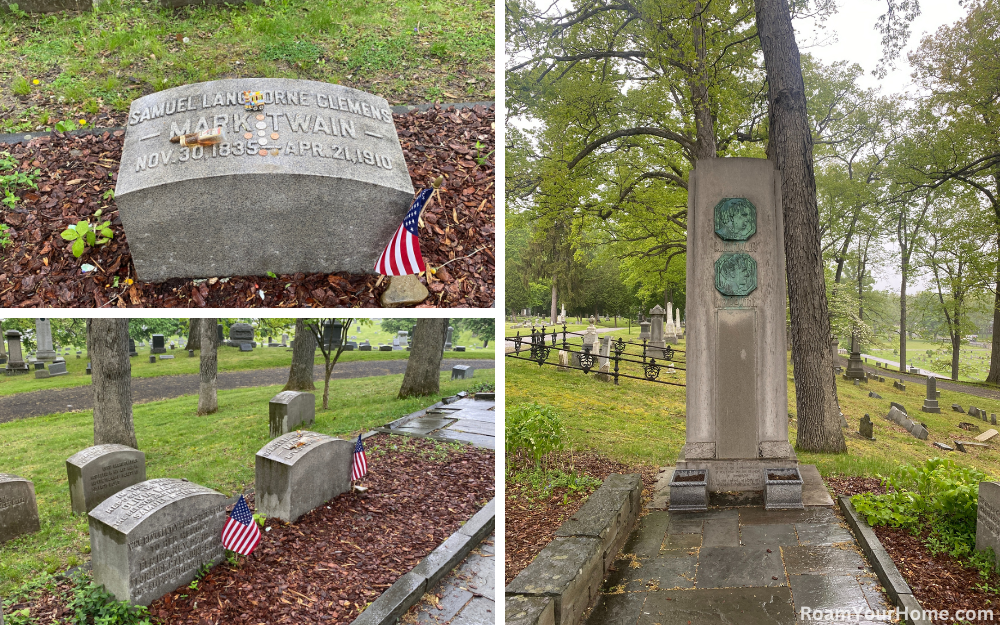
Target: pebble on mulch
x,y
530,526
332,562
76,171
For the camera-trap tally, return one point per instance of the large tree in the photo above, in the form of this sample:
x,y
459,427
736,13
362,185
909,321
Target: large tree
x,y
300,375
107,344
194,333
423,368
208,388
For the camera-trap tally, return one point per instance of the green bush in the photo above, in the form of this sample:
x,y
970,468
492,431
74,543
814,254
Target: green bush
x,y
534,429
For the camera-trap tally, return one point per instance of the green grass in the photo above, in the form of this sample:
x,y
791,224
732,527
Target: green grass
x,y
230,359
578,327
403,51
644,422
216,451
973,362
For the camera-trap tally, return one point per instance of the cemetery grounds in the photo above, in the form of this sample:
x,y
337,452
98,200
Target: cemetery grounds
x,y
370,539
638,427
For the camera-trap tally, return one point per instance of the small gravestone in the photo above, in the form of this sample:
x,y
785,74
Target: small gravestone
x,y
993,419
447,339
385,348
462,372
988,518
987,435
930,401
944,447
131,348
172,345
89,370
246,347
900,406
459,348
167,357
153,537
918,430
15,358
284,339
856,383
899,384
957,408
874,395
152,358
158,347
98,472
219,330
396,347
364,348
58,368
866,429
959,445
190,353
78,353
18,510
974,412
289,410
299,471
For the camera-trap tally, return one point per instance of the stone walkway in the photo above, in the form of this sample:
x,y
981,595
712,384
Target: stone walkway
x,y
470,420
466,595
744,566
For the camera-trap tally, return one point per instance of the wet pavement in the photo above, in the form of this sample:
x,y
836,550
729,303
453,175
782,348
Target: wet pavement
x,y
738,565
470,420
466,595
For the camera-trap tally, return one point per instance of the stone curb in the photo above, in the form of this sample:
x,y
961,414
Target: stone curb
x,y
889,576
565,578
408,589
399,110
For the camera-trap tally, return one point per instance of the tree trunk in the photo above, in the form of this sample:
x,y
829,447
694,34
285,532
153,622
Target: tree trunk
x,y
107,345
552,309
331,362
423,369
956,348
994,375
194,333
208,389
904,267
790,147
300,376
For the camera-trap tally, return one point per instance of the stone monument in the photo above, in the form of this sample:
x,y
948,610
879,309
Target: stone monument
x,y
669,331
15,358
462,372
447,340
855,368
43,337
3,351
737,394
18,510
866,428
152,537
240,334
299,471
158,346
321,163
988,518
656,332
100,471
930,402
644,330
288,410
590,336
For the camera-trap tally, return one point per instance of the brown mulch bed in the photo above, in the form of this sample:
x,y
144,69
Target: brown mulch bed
x,y
852,485
332,562
38,269
530,523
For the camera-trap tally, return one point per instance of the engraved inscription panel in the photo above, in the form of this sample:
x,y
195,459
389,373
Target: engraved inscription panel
x,y
735,219
291,446
736,384
988,518
735,274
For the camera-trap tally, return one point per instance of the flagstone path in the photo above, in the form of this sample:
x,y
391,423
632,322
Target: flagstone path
x,y
144,390
466,596
470,420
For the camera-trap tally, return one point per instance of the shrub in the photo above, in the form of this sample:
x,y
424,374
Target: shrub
x,y
534,429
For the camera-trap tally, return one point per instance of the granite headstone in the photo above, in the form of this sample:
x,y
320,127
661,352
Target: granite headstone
x,y
988,518
18,509
299,471
98,472
158,345
289,410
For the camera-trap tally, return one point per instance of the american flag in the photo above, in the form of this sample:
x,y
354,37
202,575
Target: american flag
x,y
402,256
241,533
360,462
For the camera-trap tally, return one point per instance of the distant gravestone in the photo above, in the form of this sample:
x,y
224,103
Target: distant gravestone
x,y
18,510
246,347
385,348
240,333
867,429
289,410
15,358
131,348
98,472
284,339
43,339
190,353
299,471
462,372
152,537
219,329
158,345
874,395
900,406
89,370
447,339
957,408
152,358
167,357
364,348
930,401
321,163
460,348
988,518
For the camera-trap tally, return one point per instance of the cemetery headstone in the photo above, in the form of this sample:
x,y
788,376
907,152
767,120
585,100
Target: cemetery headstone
x,y
98,472
190,353
899,406
152,358
158,345
460,348
327,155
563,361
988,518
299,471
930,402
737,386
290,410
385,348
644,330
18,510
403,339
284,339
462,372
364,347
867,429
3,351
656,329
150,538
131,348
874,395
43,339
855,368
246,347
396,347
220,329
241,333
987,435
957,408
166,357
15,358
89,370
447,340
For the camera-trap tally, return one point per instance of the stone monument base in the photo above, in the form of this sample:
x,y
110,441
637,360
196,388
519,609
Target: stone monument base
x,y
737,474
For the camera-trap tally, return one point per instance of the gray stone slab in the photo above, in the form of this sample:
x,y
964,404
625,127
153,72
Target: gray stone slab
x,y
474,427
100,471
824,534
520,610
772,536
18,508
669,569
828,592
570,570
333,182
443,558
682,541
478,440
152,537
817,560
686,523
726,567
479,611
988,517
743,606
721,532
425,425
167,357
616,609
462,372
289,411
760,516
299,471
814,490
393,603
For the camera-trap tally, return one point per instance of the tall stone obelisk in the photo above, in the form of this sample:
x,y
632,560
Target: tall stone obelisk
x,y
43,338
737,389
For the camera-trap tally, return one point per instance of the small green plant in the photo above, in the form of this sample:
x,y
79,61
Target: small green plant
x,y
21,86
12,179
109,194
480,157
66,125
439,49
232,558
4,236
534,429
193,585
83,235
483,387
91,603
260,519
271,274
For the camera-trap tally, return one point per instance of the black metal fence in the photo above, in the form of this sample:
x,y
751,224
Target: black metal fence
x,y
625,359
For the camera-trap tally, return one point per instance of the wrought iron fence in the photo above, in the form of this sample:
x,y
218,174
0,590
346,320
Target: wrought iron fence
x,y
638,357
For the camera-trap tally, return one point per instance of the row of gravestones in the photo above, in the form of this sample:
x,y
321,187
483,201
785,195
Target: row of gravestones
x,y
148,537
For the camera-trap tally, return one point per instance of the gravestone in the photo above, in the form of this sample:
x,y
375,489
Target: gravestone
x,y
220,331
15,359
930,402
447,340
131,348
364,348
656,329
669,331
874,395
89,369
3,351
385,348
321,163
98,472
957,408
900,406
152,358
855,368
167,357
644,330
462,372
590,337
152,537
43,339
158,345
403,339
299,471
18,510
289,410
459,348
988,518
190,353
246,347
240,333
284,339
737,375
396,347
867,429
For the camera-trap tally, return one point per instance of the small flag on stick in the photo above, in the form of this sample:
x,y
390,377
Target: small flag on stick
x,y
360,462
402,256
241,533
